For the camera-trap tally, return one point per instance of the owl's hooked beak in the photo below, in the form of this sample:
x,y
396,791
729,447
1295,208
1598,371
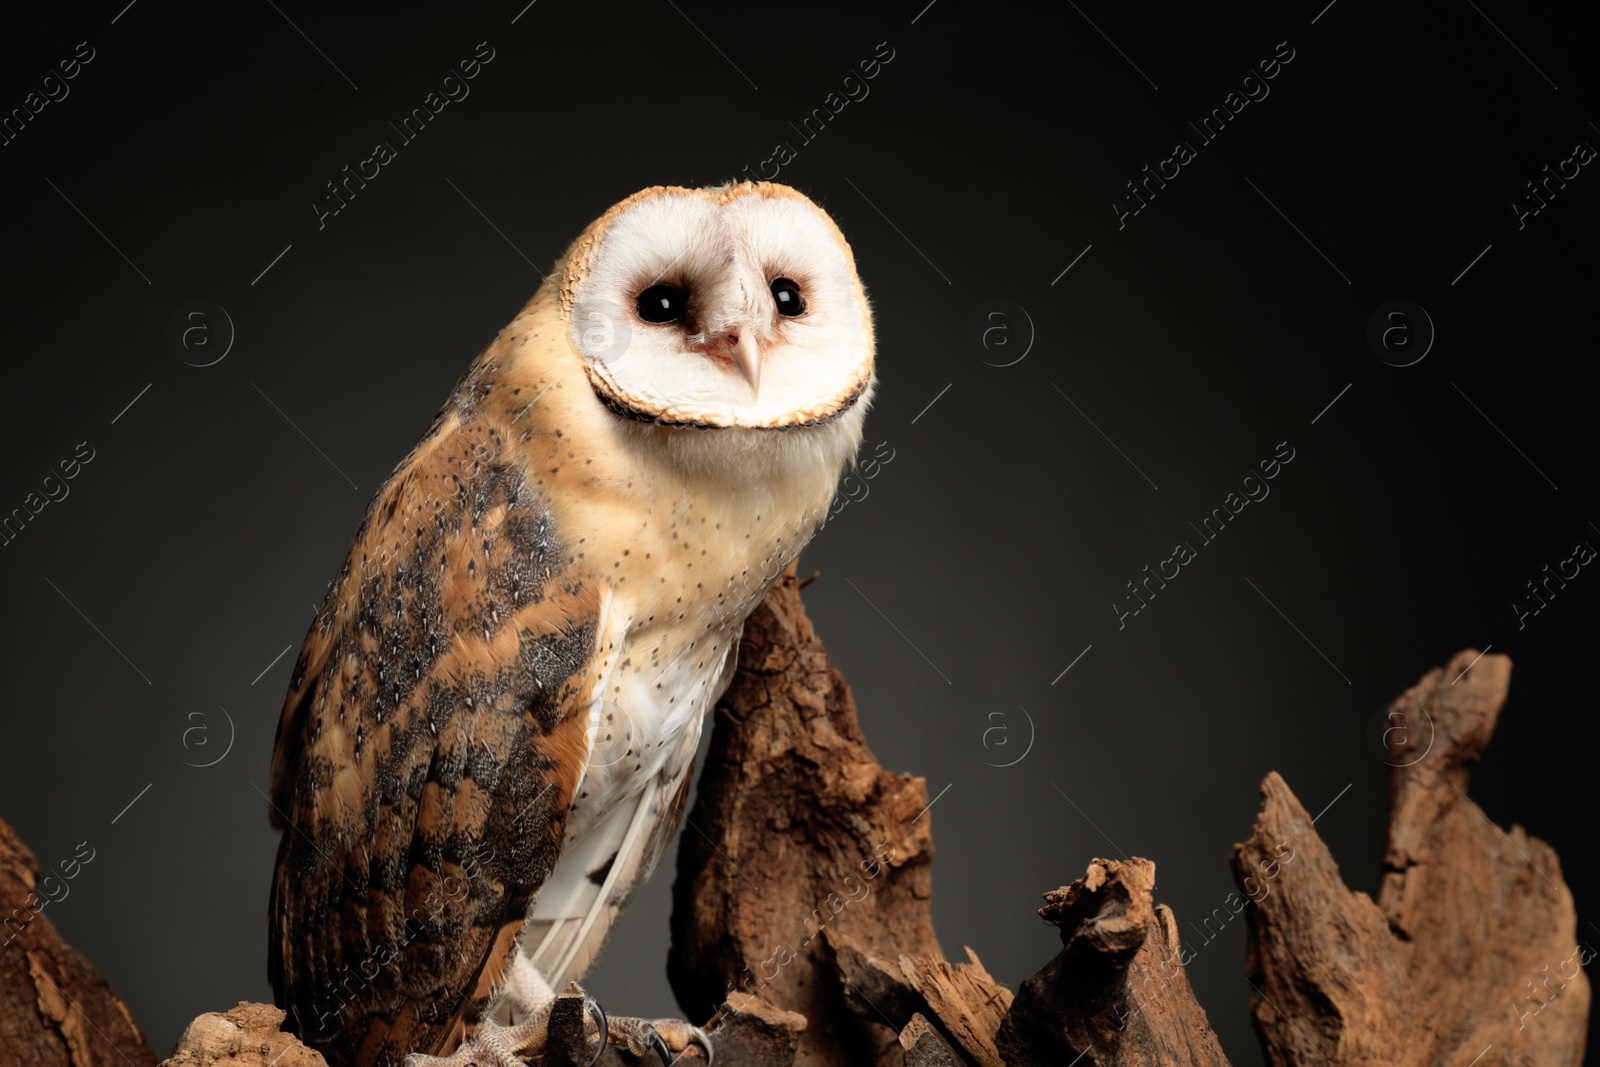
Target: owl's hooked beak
x,y
746,355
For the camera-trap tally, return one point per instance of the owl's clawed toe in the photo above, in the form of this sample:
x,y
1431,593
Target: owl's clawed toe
x,y
602,1026
697,1036
669,1039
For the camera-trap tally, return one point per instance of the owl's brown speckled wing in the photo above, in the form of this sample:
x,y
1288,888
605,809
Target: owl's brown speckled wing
x,y
434,734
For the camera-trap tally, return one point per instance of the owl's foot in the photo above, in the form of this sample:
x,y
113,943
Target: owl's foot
x,y
669,1039
494,1044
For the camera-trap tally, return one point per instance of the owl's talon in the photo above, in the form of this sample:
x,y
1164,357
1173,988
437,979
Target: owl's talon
x,y
658,1045
669,1039
699,1037
603,1027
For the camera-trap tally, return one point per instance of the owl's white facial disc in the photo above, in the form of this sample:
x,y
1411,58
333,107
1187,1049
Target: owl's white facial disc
x,y
734,306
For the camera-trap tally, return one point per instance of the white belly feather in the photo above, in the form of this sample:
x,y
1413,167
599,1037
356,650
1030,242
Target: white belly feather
x,y
645,722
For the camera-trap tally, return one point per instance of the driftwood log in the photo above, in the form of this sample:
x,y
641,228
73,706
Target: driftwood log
x,y
247,1036
1117,993
1471,952
55,1009
805,876
802,934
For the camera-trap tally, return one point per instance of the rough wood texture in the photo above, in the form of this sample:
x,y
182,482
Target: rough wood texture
x,y
1472,944
797,831
250,1035
1117,995
924,1047
55,1009
1346,997
567,1044
965,1003
749,1032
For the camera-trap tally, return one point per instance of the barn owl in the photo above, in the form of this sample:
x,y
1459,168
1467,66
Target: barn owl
x,y
488,736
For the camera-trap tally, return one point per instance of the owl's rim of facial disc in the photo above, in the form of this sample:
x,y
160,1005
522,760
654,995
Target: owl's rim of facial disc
x,y
787,401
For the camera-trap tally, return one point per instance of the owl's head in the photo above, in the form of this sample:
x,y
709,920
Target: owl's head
x,y
735,306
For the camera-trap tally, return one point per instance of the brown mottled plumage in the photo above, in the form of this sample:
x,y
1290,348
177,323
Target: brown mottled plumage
x,y
435,699
504,688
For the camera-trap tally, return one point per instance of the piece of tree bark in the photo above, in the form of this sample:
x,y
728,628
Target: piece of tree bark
x,y
796,829
924,1047
566,1042
1320,957
966,1003
749,1032
1472,944
55,1009
1117,994
248,1035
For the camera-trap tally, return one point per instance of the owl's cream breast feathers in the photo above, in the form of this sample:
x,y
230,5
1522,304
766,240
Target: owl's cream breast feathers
x,y
682,524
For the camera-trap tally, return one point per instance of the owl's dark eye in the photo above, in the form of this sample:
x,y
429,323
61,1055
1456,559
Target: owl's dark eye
x,y
787,296
662,303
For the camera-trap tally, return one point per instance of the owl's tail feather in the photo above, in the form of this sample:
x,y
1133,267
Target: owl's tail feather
x,y
593,880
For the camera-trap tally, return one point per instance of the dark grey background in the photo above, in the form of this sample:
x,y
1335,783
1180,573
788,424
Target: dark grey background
x,y
983,162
